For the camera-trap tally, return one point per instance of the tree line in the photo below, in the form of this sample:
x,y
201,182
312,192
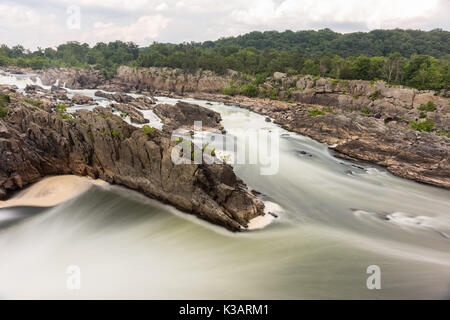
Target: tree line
x,y
424,64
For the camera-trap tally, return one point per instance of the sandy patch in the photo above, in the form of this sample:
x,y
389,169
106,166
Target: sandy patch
x,y
261,222
51,191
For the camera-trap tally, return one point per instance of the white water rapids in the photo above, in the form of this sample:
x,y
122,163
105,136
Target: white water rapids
x,y
336,218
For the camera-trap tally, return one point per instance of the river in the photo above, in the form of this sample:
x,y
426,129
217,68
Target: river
x,y
336,218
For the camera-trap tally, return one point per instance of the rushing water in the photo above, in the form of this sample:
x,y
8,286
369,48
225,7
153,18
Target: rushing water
x,y
336,218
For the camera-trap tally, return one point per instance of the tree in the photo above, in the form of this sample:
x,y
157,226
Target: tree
x,y
393,68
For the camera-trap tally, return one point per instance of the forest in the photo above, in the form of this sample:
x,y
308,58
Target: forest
x,y
414,58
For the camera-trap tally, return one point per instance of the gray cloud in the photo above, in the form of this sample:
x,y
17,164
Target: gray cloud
x,y
36,23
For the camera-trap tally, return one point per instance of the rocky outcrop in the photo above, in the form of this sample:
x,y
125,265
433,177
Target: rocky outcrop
x,y
185,114
172,80
82,99
118,97
59,93
70,78
383,101
35,143
135,115
141,102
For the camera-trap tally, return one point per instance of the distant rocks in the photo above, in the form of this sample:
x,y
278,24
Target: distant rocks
x,y
70,78
31,88
118,97
140,102
135,115
82,99
279,75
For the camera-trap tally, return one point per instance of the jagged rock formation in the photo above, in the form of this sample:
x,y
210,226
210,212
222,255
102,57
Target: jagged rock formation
x,y
135,115
35,142
171,80
184,114
70,78
82,99
141,102
380,100
142,79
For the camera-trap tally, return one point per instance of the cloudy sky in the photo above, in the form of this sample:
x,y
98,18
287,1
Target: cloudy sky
x,y
47,23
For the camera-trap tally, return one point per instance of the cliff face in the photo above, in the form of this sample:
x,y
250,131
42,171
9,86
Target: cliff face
x,y
35,142
171,80
377,98
141,79
73,79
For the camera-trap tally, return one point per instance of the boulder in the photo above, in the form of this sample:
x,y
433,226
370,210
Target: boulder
x,y
82,99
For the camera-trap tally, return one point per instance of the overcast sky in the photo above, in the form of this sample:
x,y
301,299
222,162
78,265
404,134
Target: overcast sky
x,y
47,23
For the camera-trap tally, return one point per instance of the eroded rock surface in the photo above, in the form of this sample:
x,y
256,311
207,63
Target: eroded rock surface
x,y
185,114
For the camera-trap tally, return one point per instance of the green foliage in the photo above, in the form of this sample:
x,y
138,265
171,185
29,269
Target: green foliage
x,y
389,55
365,110
429,106
443,133
231,91
150,131
376,95
426,125
316,112
63,116
356,96
3,112
4,101
61,108
273,94
260,79
36,103
250,90
334,82
115,133
422,115
326,42
124,114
